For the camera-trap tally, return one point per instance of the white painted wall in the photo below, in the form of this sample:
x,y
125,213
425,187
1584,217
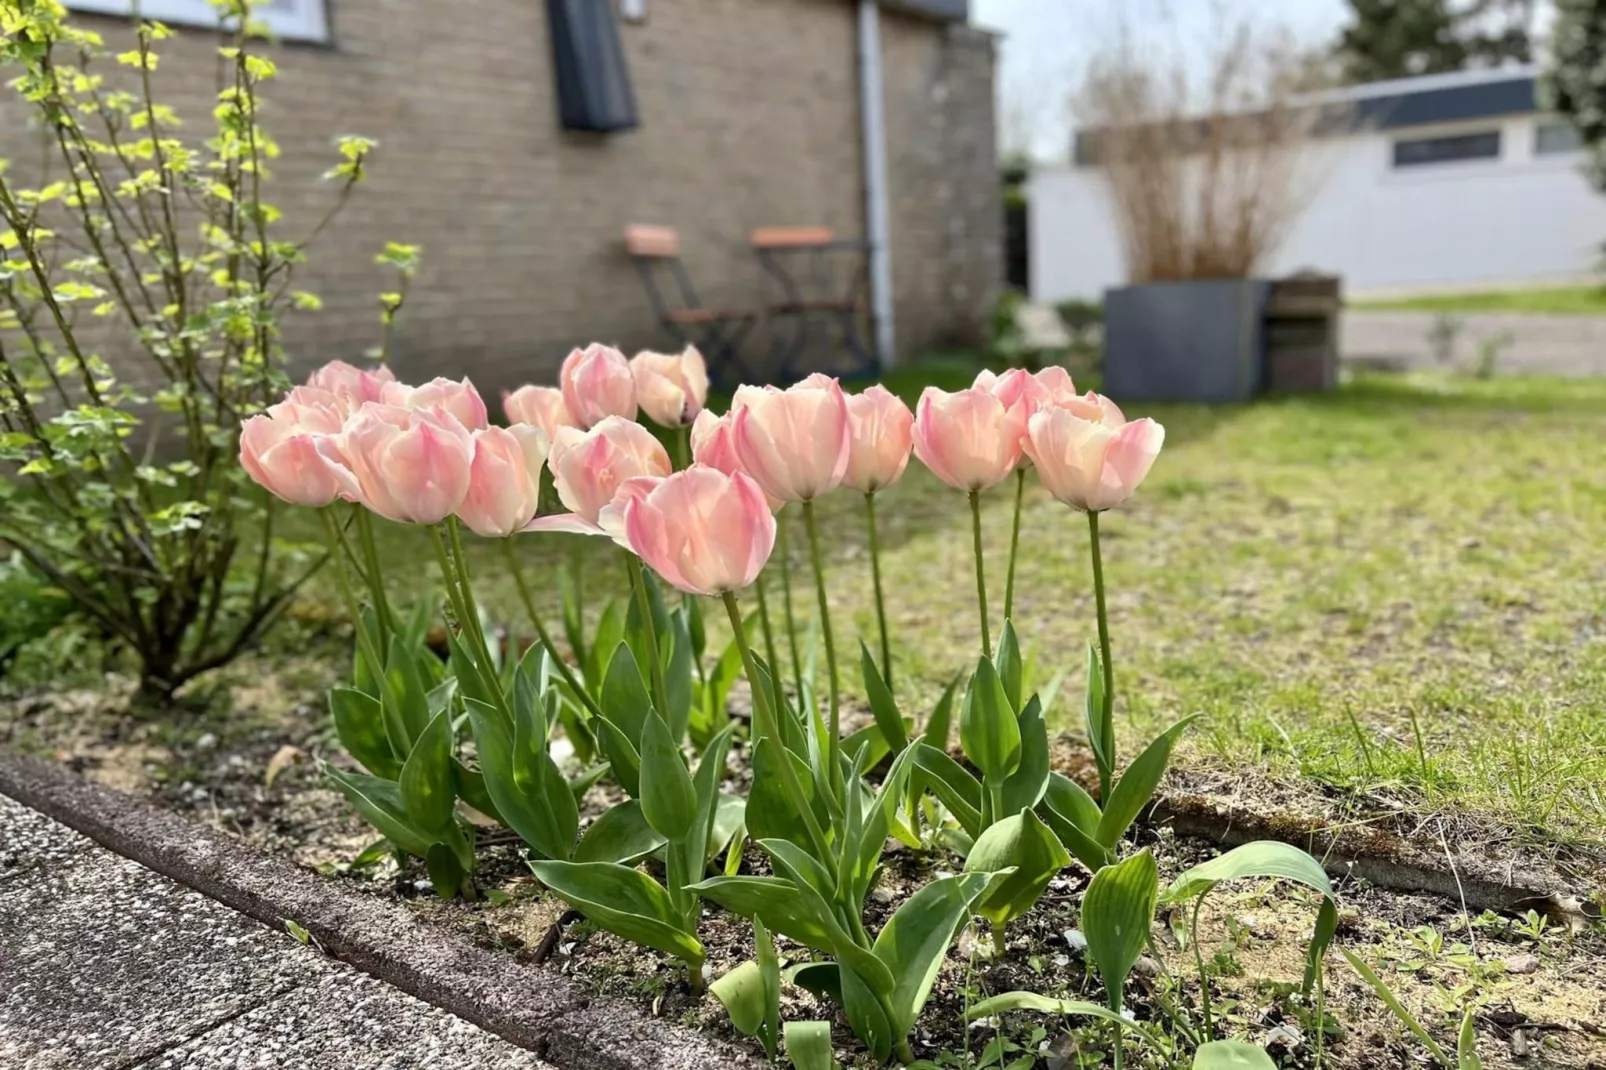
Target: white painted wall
x,y
1520,218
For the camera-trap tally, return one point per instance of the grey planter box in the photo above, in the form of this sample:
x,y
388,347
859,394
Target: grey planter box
x,y
1185,341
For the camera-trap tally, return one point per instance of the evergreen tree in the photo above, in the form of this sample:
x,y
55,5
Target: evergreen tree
x,y
1400,38
1575,83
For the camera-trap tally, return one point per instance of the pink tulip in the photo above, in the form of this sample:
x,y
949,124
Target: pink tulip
x,y
280,450
504,482
459,399
969,439
1088,456
702,530
671,388
879,432
1054,386
711,444
538,406
408,465
588,468
597,383
795,442
353,386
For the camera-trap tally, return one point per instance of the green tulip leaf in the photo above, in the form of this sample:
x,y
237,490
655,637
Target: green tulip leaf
x,y
1262,858
939,726
1136,786
1117,913
445,871
668,799
1231,1055
427,787
1025,787
549,834
620,835
808,1045
360,725
1100,729
882,705
624,901
1032,1001
625,700
380,802
989,732
1007,660
751,993
955,788
772,900
1073,815
1024,843
621,753
866,1014
915,939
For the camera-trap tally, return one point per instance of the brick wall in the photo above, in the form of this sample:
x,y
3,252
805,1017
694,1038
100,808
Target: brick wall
x,y
749,117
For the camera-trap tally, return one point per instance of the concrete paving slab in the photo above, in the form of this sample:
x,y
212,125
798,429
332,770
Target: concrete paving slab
x,y
351,1021
106,965
28,842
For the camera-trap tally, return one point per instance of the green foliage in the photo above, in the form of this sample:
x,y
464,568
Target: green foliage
x,y
1231,1055
1117,911
1402,38
163,248
1572,85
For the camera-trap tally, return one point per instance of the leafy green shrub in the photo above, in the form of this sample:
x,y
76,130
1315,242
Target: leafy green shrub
x,y
141,248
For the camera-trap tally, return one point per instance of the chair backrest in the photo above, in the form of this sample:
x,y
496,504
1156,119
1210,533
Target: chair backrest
x,y
790,237
652,242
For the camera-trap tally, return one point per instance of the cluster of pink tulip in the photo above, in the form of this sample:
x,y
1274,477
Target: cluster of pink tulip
x,y
424,454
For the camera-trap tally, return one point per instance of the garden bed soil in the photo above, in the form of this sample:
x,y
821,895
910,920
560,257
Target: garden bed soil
x,y
247,766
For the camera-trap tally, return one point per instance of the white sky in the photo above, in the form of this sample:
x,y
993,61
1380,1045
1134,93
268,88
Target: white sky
x,y
1047,43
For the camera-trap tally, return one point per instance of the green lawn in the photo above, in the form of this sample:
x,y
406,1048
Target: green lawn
x,y
1559,301
1321,578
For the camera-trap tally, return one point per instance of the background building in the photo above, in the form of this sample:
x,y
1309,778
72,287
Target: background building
x,y
1444,181
747,113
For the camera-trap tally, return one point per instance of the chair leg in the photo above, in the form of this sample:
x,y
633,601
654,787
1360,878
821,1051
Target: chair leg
x,y
723,350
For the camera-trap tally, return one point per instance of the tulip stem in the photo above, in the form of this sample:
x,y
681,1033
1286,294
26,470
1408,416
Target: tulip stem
x,y
682,437
764,625
785,549
834,740
365,642
365,533
1014,545
769,728
638,579
455,531
1108,712
880,603
542,634
981,572
461,609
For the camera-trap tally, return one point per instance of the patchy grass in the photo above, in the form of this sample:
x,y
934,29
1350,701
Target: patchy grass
x,y
1554,301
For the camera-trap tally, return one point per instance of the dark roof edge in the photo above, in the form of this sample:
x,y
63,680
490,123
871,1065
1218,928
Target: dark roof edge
x,y
1490,97
947,10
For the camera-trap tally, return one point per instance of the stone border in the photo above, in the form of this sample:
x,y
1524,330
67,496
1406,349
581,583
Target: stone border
x,y
534,1007
1380,858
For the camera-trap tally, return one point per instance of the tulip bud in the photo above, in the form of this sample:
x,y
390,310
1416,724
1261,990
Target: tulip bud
x,y
588,468
597,383
879,439
670,388
793,442
280,450
408,465
354,387
504,482
538,406
703,531
1089,457
969,439
459,399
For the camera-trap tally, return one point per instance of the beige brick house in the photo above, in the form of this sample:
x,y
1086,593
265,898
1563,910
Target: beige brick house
x,y
747,114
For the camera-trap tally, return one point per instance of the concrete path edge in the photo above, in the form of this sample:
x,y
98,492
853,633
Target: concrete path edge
x,y
531,1006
